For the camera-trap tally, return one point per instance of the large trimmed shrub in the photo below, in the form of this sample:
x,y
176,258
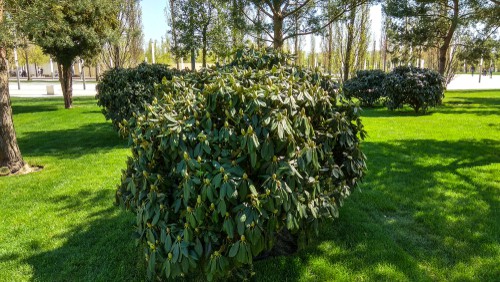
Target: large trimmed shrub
x,y
416,87
229,158
121,92
366,87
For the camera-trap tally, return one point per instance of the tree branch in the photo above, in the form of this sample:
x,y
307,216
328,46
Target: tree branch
x,y
296,9
255,23
333,19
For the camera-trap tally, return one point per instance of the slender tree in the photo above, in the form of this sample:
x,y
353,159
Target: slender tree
x,y
170,12
124,45
11,160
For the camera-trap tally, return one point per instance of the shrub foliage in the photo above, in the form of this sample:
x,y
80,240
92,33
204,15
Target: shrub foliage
x,y
366,87
419,88
121,92
226,159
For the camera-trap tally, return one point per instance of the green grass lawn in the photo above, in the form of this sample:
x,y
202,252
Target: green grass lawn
x,y
428,210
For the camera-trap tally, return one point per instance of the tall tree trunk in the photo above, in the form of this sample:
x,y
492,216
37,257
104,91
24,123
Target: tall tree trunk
x,y
260,41
27,63
193,59
278,31
236,15
350,39
329,49
443,50
297,47
373,54
10,155
174,32
66,80
205,46
117,60
384,47
329,45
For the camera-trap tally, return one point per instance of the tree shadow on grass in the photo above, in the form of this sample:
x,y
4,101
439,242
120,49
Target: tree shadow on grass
x,y
25,109
481,106
99,249
428,210
70,143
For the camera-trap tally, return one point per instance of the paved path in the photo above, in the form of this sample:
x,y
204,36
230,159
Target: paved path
x,y
38,88
467,81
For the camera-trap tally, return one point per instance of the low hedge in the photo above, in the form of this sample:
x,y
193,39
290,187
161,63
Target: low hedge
x,y
122,92
366,86
228,159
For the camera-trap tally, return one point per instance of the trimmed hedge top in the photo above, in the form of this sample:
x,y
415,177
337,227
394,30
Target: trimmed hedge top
x,y
417,87
366,86
228,158
121,92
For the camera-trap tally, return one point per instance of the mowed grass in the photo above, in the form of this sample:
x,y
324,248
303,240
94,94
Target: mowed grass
x,y
60,224
428,210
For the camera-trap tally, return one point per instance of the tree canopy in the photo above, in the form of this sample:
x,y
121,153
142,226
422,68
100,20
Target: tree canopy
x,y
67,30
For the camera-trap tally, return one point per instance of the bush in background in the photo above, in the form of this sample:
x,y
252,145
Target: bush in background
x,y
122,92
366,87
227,159
416,87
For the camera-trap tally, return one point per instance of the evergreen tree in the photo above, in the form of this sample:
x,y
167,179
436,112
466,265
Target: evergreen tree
x,y
433,24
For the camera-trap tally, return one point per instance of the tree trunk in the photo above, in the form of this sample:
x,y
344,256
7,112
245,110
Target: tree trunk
x,y
260,41
193,59
27,63
204,50
443,50
10,155
297,47
174,33
236,14
329,48
117,56
350,39
66,80
278,31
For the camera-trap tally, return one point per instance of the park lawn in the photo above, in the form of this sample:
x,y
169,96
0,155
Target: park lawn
x,y
429,207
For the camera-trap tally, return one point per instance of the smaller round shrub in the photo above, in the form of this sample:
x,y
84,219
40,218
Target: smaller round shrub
x,y
416,87
366,87
121,92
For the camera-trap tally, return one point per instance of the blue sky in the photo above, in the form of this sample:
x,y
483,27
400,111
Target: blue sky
x,y
155,23
153,19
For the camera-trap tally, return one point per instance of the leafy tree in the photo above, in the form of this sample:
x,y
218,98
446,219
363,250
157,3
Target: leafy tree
x,y
34,54
11,159
68,30
476,49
